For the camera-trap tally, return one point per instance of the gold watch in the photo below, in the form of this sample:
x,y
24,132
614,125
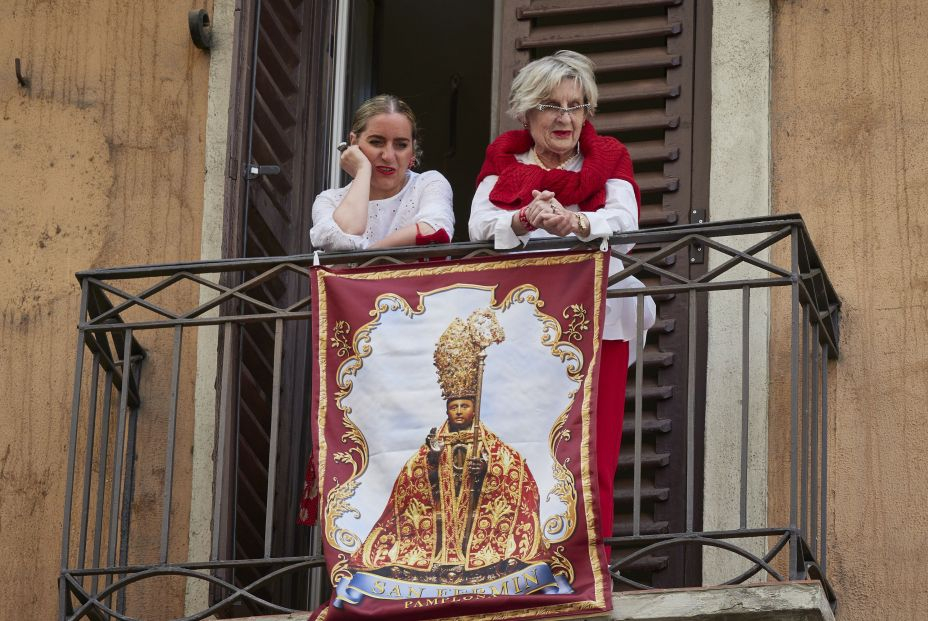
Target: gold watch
x,y
583,225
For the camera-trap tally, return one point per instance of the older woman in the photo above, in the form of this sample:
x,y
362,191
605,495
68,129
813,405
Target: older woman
x,y
559,178
386,203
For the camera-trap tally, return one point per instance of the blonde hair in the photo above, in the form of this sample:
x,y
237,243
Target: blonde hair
x,y
538,79
386,104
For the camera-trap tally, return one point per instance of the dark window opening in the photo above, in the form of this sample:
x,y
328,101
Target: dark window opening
x,y
438,57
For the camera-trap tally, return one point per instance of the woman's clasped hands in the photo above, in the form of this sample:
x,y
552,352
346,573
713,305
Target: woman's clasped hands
x,y
545,212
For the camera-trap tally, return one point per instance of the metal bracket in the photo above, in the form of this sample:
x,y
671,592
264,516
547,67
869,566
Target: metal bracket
x,y
253,171
201,31
23,81
697,252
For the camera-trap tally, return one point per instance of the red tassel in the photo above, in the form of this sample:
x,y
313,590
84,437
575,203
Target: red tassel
x,y
309,503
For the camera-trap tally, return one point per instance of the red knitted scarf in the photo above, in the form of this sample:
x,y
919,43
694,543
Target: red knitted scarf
x,y
604,158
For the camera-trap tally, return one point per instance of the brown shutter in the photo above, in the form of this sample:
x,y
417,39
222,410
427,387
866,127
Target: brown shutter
x,y
648,54
268,213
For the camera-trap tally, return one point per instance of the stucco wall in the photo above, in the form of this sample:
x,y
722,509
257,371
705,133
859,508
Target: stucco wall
x,y
850,145
102,165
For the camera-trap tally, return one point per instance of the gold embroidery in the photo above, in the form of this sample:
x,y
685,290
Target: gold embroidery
x,y
595,551
457,437
337,503
340,570
338,338
560,564
464,268
560,526
459,349
322,324
577,322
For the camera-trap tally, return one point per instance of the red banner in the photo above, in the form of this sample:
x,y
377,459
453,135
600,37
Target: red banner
x,y
452,434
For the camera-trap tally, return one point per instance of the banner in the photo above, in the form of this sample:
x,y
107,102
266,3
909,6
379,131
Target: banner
x,y
452,434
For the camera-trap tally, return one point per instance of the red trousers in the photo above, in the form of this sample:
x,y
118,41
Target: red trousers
x,y
610,412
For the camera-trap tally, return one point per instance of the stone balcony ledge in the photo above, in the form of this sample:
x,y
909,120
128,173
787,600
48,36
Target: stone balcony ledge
x,y
764,601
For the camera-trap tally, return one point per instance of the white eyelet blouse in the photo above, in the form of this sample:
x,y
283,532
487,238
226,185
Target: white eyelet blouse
x,y
426,197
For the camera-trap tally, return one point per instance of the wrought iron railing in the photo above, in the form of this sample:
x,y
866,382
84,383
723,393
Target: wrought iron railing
x,y
129,536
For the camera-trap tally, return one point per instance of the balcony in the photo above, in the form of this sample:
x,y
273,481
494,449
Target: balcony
x,y
161,522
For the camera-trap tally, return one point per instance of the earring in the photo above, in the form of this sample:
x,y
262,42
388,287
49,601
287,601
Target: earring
x,y
412,163
525,125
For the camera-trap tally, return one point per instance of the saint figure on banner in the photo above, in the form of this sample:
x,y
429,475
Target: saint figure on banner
x,y
465,507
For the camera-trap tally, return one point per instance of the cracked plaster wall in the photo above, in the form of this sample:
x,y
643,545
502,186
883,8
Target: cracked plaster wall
x,y
102,165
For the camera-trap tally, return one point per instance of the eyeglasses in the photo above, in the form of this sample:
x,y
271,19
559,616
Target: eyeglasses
x,y
556,111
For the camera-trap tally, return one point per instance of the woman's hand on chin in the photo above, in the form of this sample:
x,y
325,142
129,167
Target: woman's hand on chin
x,y
354,162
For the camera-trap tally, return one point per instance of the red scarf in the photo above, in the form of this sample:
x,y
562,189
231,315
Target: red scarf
x,y
604,158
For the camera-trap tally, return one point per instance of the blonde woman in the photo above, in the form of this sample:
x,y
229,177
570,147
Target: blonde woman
x,y
386,204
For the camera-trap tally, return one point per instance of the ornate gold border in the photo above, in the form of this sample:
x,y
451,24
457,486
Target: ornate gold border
x,y
558,527
337,499
592,526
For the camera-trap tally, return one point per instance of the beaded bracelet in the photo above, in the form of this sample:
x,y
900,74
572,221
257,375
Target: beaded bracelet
x,y
524,220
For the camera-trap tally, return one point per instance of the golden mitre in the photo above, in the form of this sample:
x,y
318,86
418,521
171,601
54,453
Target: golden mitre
x,y
456,354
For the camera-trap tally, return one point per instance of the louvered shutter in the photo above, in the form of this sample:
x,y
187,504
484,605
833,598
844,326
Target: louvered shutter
x,y
269,214
647,54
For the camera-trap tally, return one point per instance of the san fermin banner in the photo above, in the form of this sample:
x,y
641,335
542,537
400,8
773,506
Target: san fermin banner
x,y
452,436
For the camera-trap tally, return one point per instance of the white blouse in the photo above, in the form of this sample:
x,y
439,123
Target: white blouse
x,y
425,197
619,214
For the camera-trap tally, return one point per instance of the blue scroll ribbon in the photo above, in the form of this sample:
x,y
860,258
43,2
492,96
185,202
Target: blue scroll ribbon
x,y
534,578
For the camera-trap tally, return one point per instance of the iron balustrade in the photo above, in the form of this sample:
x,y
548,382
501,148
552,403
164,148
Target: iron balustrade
x,y
107,537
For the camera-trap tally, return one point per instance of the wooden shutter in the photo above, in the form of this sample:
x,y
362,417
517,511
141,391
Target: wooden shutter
x,y
280,114
651,61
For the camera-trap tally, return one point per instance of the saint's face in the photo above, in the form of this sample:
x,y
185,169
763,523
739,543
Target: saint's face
x,y
461,412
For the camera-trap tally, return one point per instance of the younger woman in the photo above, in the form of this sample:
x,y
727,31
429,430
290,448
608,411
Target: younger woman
x,y
386,204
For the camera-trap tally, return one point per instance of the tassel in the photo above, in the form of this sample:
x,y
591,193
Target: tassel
x,y
309,503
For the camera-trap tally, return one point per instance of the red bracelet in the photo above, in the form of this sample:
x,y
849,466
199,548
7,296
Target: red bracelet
x,y
524,220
